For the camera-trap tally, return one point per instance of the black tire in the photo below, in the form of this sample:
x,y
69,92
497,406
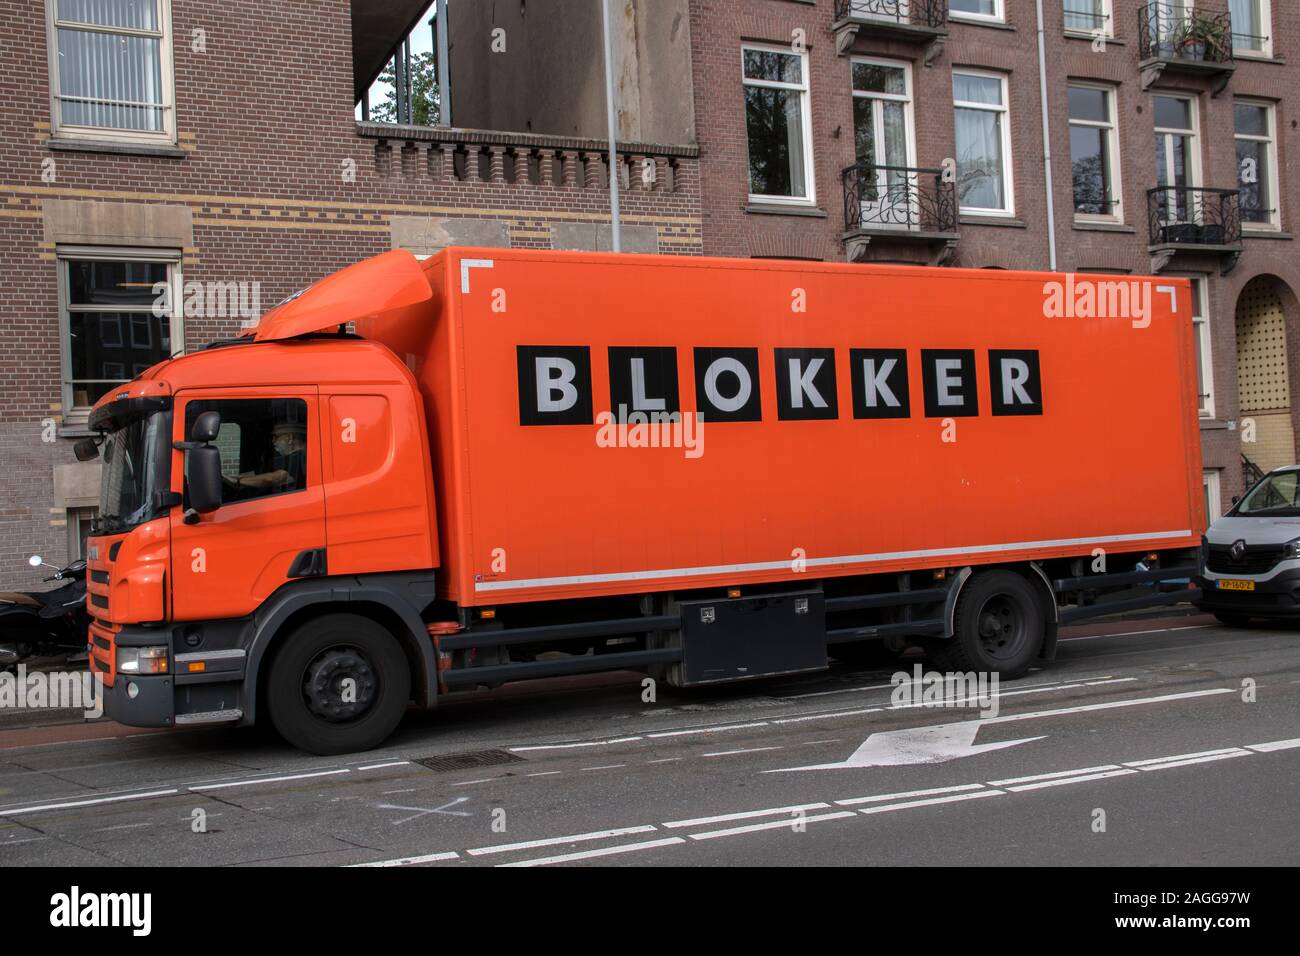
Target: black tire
x,y
999,623
305,695
864,653
1232,620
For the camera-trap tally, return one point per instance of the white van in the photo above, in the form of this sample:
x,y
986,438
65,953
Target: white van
x,y
1250,558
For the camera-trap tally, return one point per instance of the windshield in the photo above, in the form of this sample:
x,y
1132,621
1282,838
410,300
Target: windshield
x,y
1277,494
137,462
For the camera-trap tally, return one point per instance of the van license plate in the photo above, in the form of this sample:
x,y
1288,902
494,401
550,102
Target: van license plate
x,y
1230,584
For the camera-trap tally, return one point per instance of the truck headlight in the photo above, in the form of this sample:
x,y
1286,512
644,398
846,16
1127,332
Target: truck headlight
x,y
142,660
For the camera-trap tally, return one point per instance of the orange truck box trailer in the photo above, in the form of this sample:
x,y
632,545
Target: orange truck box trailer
x,y
705,469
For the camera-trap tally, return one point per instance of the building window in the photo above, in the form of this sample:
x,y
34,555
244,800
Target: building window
x,y
1201,342
778,124
1094,153
1089,16
79,528
119,316
1177,158
1210,484
1251,27
111,73
976,9
1253,126
883,142
983,143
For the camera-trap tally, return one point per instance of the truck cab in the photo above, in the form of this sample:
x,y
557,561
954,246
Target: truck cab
x,y
239,502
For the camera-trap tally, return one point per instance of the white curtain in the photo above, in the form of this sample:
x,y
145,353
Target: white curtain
x,y
110,80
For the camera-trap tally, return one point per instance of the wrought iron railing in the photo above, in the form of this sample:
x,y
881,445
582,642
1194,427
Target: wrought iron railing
x,y
1193,215
1170,31
917,13
898,197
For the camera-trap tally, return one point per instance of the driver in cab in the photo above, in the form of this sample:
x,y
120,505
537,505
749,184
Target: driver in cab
x,y
288,470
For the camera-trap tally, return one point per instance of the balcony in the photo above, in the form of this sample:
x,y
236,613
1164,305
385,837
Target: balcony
x,y
899,205
1193,220
1185,42
912,21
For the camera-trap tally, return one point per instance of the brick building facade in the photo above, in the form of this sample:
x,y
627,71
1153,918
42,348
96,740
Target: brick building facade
x,y
246,166
1131,58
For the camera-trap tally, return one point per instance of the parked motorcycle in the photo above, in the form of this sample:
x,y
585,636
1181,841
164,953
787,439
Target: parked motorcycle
x,y
45,623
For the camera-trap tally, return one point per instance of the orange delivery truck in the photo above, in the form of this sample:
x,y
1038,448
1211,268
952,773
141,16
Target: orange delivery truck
x,y
421,478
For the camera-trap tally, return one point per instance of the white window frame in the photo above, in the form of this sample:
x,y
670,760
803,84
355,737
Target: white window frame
x,y
76,415
999,14
1112,151
1194,170
1213,494
1274,222
805,111
1008,174
1265,23
1107,23
1203,346
905,97
165,136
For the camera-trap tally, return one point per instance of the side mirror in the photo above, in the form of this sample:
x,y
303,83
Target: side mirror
x,y
206,427
1236,498
203,475
87,449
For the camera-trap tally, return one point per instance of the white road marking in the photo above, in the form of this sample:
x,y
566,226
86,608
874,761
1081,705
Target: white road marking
x,y
976,795
1109,705
746,750
745,815
882,797
1165,765
608,766
774,825
1157,630
380,766
664,760
544,773
1052,776
707,730
412,860
585,743
1203,753
1275,745
1063,781
466,783
589,854
14,811
249,783
828,715
556,841
937,743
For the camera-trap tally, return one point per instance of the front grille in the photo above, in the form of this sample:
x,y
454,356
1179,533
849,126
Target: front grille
x,y
99,600
99,577
1257,559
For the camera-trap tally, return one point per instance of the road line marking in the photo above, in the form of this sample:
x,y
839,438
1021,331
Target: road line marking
x,y
1203,753
1108,705
1154,630
774,825
1185,763
1273,745
249,783
412,860
664,760
828,714
87,803
466,783
1053,776
586,743
937,800
556,841
589,854
745,815
707,730
380,766
747,750
1061,782
608,766
544,773
854,801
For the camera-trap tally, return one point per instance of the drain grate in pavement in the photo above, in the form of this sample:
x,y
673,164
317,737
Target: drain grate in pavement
x,y
469,760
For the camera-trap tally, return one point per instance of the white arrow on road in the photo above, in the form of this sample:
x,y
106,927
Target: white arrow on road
x,y
941,742
933,744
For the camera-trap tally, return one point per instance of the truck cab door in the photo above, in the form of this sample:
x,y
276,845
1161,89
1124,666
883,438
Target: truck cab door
x,y
270,527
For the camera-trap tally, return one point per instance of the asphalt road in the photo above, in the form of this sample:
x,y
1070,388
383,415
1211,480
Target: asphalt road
x,y
1172,746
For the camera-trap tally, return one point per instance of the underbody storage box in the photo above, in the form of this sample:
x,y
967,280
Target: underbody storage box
x,y
763,636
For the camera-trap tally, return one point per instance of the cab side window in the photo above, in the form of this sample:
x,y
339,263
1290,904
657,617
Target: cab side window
x,y
263,443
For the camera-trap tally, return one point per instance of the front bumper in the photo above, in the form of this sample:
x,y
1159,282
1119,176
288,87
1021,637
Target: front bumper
x,y
1275,595
153,705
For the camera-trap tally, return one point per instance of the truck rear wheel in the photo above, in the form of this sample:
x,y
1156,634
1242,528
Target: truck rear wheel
x,y
998,626
339,684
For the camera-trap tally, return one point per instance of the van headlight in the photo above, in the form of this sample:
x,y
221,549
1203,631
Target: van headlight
x,y
142,660
1291,549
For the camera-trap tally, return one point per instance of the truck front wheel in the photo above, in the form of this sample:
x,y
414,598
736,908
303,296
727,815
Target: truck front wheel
x,y
338,684
998,626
